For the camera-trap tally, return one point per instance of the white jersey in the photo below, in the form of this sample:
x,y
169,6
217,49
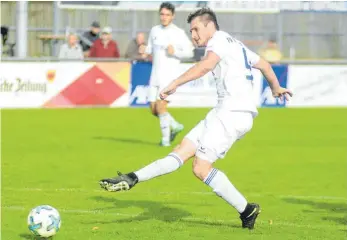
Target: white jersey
x,y
233,73
165,68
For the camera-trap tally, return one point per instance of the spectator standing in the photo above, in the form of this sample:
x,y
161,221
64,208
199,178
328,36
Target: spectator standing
x,y
89,37
134,46
105,47
71,49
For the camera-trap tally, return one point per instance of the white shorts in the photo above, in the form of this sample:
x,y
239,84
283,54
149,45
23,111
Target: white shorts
x,y
153,94
215,135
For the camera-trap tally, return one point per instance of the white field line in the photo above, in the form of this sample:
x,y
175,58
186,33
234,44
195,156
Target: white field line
x,y
192,219
79,211
169,193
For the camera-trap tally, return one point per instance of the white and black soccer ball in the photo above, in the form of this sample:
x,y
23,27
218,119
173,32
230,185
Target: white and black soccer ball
x,y
44,221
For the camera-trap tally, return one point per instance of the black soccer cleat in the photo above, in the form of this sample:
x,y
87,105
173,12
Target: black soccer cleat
x,y
122,182
249,216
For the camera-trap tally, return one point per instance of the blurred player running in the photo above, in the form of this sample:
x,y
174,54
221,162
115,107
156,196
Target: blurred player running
x,y
230,62
167,44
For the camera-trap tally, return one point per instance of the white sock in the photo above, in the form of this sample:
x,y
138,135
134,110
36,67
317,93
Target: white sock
x,y
164,120
173,123
160,167
221,185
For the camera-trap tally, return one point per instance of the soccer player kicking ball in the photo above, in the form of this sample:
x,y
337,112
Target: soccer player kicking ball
x,y
167,44
230,62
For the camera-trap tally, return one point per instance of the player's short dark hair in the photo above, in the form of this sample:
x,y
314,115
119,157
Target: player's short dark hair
x,y
206,15
168,6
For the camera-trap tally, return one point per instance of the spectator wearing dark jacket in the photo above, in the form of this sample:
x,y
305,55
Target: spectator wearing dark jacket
x,y
105,47
89,37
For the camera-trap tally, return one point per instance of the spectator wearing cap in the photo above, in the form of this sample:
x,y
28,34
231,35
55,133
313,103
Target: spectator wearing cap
x,y
134,45
89,37
105,47
71,49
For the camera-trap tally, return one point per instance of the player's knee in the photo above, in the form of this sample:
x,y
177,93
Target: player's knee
x,y
160,110
201,168
161,107
154,111
186,149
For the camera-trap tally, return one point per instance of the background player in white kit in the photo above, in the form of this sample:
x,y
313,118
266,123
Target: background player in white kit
x,y
230,62
167,44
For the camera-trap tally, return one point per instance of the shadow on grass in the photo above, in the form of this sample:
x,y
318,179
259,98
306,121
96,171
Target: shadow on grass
x,y
209,223
126,140
339,208
153,211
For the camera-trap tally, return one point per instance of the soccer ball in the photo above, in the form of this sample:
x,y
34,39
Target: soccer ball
x,y
44,221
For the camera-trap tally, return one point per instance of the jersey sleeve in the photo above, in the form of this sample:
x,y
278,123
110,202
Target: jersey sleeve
x,y
217,45
150,43
252,57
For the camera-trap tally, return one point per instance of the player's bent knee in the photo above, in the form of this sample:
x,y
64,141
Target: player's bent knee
x,y
186,149
161,107
201,168
154,112
153,109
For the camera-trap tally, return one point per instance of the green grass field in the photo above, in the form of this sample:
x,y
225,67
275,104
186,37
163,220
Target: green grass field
x,y
293,163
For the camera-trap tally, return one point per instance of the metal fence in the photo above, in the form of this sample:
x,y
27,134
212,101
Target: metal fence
x,y
341,62
308,35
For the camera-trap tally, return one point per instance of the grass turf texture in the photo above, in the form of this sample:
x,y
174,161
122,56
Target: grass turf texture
x,y
293,163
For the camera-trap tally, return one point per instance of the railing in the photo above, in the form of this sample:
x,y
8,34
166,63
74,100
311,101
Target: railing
x,y
54,59
315,34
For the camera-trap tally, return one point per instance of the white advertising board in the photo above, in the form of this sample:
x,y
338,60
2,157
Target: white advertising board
x,y
318,85
31,85
63,84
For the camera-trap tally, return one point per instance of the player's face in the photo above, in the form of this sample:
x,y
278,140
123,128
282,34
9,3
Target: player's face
x,y
200,32
166,17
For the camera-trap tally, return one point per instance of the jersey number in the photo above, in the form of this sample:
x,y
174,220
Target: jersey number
x,y
247,65
248,76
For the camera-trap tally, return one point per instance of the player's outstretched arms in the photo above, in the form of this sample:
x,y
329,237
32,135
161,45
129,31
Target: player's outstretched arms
x,y
269,74
198,70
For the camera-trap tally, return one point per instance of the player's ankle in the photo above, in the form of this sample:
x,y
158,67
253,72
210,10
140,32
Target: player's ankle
x,y
248,210
175,124
133,176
